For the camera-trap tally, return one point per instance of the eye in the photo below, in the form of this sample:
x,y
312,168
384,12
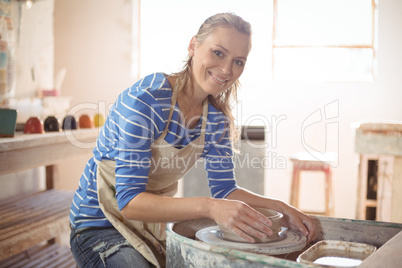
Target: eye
x,y
218,53
239,63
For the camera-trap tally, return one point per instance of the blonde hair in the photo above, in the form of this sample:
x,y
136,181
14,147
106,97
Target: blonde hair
x,y
223,100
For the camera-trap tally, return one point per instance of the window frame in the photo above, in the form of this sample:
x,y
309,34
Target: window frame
x,y
372,46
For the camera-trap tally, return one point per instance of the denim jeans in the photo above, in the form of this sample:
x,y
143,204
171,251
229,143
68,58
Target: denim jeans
x,y
104,247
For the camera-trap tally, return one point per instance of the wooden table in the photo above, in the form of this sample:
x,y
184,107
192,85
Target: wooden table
x,y
25,151
30,219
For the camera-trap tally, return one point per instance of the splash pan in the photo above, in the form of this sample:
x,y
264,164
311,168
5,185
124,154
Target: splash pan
x,y
288,241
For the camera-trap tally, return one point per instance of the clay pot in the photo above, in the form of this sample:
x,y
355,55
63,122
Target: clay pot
x,y
99,120
51,124
8,122
274,216
33,125
69,122
85,121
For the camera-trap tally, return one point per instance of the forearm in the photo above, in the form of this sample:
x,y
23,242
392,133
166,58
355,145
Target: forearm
x,y
153,208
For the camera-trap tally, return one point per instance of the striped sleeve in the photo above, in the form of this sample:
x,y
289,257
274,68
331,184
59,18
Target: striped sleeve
x,y
219,163
134,123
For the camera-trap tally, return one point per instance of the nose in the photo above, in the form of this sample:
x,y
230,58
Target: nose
x,y
226,67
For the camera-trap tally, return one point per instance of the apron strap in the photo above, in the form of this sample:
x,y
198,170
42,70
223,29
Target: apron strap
x,y
173,102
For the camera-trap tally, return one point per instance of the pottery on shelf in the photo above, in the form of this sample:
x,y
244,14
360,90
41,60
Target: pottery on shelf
x,y
33,125
51,124
69,122
85,121
99,120
8,122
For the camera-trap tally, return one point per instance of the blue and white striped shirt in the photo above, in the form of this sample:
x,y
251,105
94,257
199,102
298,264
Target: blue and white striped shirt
x,y
135,121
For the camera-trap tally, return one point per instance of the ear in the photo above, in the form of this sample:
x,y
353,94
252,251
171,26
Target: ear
x,y
191,47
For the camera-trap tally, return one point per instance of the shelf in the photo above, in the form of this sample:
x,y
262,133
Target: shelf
x,y
24,141
25,151
28,220
38,218
379,138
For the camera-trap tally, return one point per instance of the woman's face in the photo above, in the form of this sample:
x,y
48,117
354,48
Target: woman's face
x,y
219,60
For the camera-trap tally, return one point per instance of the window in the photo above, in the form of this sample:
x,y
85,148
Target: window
x,y
293,40
166,28
324,40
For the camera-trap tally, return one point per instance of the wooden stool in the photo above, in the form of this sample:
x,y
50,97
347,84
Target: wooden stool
x,y
307,162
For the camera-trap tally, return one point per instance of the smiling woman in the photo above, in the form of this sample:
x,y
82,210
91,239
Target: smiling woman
x,y
163,46
216,59
124,199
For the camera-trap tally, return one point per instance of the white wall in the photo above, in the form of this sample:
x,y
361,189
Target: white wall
x,y
380,100
92,41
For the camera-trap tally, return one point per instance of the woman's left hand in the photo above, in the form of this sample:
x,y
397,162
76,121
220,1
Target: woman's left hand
x,y
292,217
297,220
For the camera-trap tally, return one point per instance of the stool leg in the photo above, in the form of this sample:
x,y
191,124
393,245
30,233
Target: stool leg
x,y
294,195
329,199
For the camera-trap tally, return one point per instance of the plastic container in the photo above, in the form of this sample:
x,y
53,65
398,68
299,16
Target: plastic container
x,y
333,253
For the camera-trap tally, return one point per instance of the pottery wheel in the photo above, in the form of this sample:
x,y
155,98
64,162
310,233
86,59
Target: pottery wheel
x,y
289,241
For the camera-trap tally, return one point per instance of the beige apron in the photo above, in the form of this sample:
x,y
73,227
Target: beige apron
x,y
171,165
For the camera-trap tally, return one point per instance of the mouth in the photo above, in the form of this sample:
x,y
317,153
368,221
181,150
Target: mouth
x,y
218,79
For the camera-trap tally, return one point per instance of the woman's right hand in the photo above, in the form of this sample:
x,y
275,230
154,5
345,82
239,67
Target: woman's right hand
x,y
241,219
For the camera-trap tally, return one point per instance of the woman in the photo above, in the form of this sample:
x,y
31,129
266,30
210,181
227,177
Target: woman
x,y
154,133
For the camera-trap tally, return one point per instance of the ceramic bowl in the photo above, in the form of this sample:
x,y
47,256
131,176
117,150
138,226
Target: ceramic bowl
x,y
33,125
8,122
51,124
69,122
99,120
274,216
85,121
